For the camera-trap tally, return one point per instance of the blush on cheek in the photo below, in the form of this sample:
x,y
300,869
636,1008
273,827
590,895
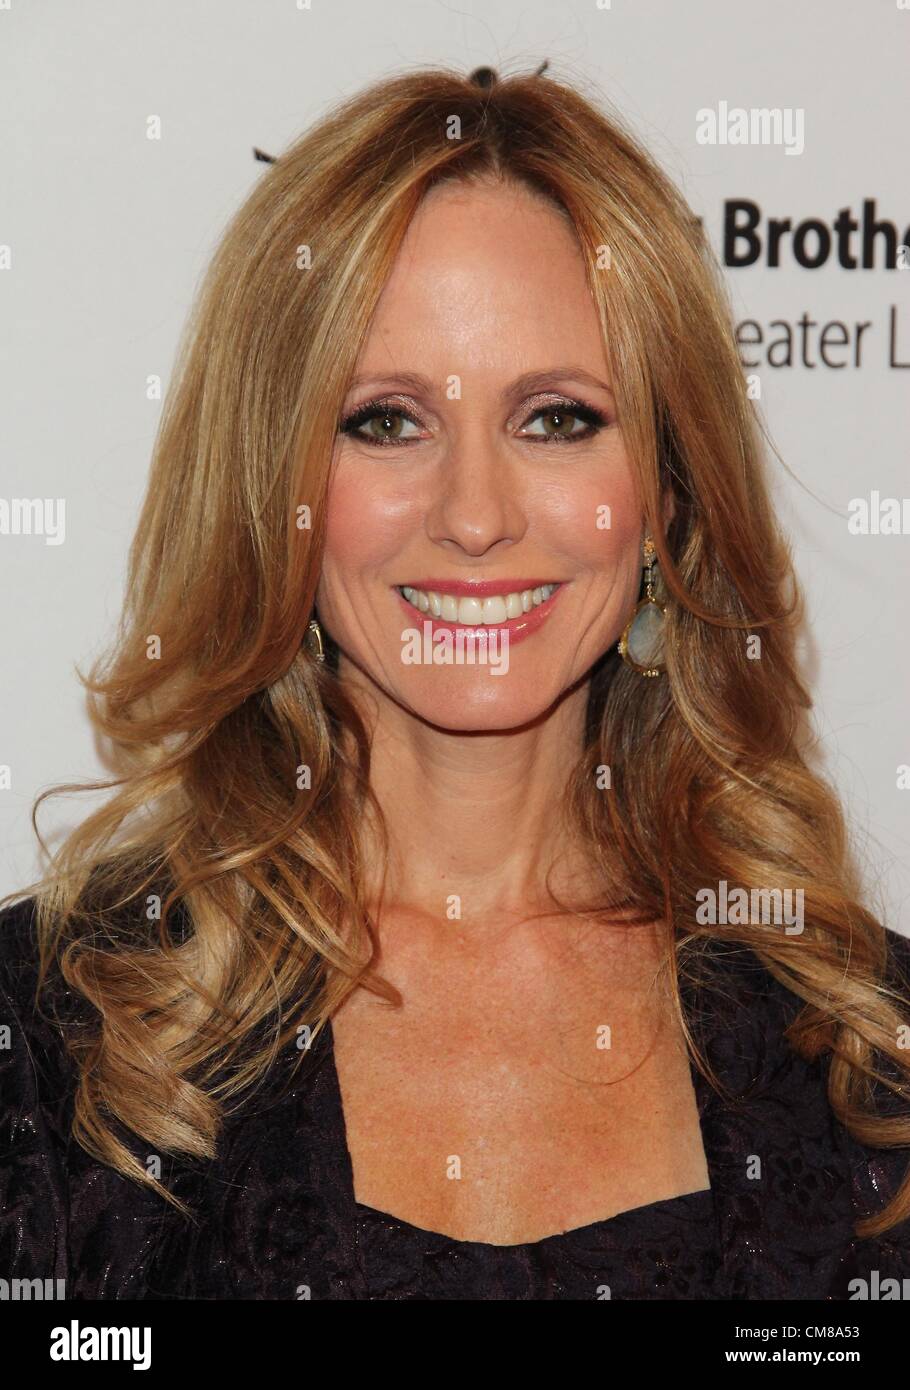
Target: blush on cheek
x,y
368,517
370,524
599,528
597,523
347,516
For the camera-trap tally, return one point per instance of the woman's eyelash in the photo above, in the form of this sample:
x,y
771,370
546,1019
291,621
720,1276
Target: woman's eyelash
x,y
594,420
372,410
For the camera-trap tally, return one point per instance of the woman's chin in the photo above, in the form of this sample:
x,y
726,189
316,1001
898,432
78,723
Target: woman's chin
x,y
479,704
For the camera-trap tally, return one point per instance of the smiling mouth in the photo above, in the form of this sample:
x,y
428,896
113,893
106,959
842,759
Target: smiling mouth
x,y
489,610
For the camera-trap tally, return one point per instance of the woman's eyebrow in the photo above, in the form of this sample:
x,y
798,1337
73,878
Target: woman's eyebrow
x,y
523,385
412,380
539,381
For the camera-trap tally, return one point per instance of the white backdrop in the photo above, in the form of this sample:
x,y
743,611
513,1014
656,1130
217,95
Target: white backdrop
x,y
104,234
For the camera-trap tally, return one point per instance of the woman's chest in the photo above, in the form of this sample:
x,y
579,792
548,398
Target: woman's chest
x,y
509,1127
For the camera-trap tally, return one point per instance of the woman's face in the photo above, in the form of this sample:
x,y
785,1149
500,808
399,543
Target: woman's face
x,y
479,463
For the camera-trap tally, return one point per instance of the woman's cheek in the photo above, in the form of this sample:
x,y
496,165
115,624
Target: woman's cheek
x,y
369,516
594,522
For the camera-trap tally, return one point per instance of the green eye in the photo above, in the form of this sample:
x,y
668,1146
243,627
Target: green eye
x,y
377,423
559,422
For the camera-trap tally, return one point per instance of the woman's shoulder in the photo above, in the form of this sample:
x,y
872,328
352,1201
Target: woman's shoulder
x,y
740,1013
62,1213
36,1104
34,1061
20,953
731,972
18,938
899,957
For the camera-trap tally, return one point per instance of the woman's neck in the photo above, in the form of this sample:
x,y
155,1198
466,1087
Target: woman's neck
x,y
474,820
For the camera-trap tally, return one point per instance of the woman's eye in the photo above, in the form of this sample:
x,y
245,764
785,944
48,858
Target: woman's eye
x,y
378,423
564,422
381,426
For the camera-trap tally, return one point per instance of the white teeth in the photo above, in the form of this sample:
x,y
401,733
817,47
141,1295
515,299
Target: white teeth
x,y
475,612
494,609
470,610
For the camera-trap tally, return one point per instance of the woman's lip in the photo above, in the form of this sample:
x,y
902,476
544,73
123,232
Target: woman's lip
x,y
516,628
477,588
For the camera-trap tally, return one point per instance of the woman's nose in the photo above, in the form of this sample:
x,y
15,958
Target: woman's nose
x,y
476,499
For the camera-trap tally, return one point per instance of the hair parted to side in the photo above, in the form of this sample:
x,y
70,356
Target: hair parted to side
x,y
708,782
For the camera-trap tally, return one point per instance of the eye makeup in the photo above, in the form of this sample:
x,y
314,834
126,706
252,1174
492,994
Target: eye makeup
x,y
388,409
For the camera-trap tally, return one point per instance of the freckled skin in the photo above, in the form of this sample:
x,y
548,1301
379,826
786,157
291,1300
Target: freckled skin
x,y
489,284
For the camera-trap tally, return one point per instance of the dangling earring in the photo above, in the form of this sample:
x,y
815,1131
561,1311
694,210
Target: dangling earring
x,y
642,642
314,640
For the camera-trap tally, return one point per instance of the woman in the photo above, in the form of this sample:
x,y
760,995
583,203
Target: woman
x,y
427,948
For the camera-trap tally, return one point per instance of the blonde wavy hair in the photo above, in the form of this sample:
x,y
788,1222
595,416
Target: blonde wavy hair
x,y
208,740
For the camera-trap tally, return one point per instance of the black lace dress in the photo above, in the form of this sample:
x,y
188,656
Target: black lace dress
x,y
278,1218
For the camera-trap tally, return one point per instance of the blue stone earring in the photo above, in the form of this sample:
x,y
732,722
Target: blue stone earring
x,y
641,644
